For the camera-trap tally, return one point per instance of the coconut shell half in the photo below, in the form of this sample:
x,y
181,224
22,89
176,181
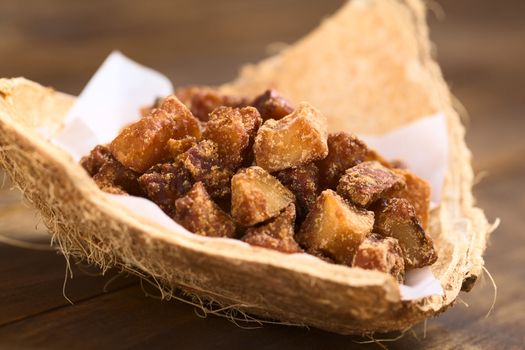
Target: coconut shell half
x,y
369,69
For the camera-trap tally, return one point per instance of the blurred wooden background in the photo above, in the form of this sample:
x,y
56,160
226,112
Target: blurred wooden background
x,y
481,48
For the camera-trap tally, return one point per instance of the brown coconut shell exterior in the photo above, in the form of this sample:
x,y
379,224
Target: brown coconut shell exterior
x,y
397,83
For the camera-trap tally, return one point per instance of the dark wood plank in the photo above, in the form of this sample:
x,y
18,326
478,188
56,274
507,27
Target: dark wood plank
x,y
31,282
153,324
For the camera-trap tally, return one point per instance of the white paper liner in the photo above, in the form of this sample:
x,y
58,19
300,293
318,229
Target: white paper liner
x,y
117,91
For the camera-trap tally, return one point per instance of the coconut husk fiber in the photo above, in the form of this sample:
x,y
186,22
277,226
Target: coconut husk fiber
x,y
369,69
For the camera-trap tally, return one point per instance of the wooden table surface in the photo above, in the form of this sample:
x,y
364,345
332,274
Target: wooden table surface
x,y
481,47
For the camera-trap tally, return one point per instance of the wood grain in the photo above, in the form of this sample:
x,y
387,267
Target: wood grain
x,y
32,282
61,43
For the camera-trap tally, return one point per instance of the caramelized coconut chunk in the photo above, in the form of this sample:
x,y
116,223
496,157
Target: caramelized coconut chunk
x,y
144,111
203,100
304,184
98,156
294,140
197,212
233,130
109,175
185,124
178,146
251,120
143,144
114,178
366,182
417,192
344,151
204,164
397,218
382,254
334,228
272,105
257,196
276,234
164,183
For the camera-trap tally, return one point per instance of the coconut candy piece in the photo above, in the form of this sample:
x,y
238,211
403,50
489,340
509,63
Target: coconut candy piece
x,y
271,105
202,100
178,146
233,130
109,175
205,165
366,182
381,254
303,181
257,196
397,218
98,156
335,228
294,140
165,183
417,192
277,234
198,213
345,150
142,144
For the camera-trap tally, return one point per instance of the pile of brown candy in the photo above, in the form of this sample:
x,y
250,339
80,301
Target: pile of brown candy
x,y
271,175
